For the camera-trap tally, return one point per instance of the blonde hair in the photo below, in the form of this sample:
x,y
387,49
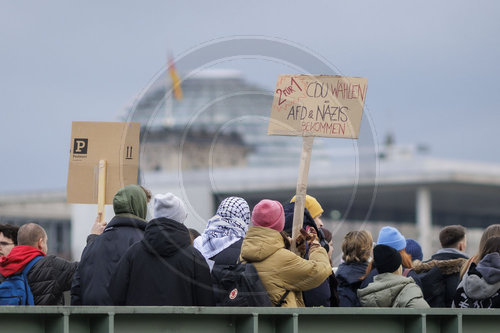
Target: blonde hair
x,y
357,246
492,231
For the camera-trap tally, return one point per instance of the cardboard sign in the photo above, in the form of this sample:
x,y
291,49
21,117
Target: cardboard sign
x,y
326,106
117,144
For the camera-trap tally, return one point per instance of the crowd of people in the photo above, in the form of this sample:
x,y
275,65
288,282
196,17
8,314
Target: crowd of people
x,y
130,261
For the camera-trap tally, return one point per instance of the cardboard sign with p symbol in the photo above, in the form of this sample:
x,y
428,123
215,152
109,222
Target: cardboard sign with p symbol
x,y
80,146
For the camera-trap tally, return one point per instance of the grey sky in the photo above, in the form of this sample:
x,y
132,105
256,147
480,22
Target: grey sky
x,y
432,67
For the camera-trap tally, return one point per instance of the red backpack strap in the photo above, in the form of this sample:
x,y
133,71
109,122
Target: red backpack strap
x,y
406,271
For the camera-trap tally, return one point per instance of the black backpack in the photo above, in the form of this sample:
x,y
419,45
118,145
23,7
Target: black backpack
x,y
240,285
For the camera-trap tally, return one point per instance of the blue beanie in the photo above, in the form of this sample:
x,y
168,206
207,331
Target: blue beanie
x,y
392,237
414,249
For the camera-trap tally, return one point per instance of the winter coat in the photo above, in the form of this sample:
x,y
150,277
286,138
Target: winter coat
x,y
348,276
47,279
391,290
162,269
100,258
440,277
280,269
480,286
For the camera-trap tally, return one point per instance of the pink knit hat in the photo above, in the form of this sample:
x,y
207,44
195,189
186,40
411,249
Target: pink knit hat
x,y
269,214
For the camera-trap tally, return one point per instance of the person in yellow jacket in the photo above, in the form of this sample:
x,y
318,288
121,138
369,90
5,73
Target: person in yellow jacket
x,y
280,269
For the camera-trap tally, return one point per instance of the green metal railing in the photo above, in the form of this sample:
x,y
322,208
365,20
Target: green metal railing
x,y
103,319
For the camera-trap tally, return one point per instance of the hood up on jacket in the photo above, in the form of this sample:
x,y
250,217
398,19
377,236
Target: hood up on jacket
x,y
260,243
308,220
446,267
130,200
390,290
164,237
483,281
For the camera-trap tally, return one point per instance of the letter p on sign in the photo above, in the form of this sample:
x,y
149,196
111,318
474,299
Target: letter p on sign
x,y
80,146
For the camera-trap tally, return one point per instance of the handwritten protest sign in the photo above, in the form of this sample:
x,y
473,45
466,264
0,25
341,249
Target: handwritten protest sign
x,y
113,146
309,106
326,106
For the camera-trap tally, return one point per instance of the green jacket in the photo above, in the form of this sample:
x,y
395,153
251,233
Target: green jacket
x,y
280,269
391,290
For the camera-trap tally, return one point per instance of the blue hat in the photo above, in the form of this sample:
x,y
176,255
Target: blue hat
x,y
392,237
414,249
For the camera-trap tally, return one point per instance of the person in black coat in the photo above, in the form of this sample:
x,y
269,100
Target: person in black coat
x,y
441,274
220,242
49,277
163,268
356,252
102,253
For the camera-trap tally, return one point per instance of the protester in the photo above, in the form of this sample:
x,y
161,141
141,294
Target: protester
x,y
492,231
441,274
163,268
220,242
392,237
389,288
281,270
356,254
102,253
8,238
49,277
314,208
480,286
325,293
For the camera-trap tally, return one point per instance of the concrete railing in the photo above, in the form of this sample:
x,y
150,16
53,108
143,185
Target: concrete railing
x,y
101,319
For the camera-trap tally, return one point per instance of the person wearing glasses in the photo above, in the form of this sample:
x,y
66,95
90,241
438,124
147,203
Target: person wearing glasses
x,y
8,238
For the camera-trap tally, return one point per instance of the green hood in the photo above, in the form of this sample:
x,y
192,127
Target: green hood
x,y
130,199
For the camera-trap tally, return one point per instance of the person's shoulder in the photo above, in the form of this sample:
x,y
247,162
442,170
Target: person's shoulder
x,y
52,260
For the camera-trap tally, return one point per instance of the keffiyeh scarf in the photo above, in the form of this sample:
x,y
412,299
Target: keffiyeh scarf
x,y
229,225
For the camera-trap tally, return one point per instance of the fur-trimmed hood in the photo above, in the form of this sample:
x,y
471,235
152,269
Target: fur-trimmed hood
x,y
446,267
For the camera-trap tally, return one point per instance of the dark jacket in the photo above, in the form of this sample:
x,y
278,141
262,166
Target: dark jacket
x,y
228,256
162,269
100,258
480,286
440,277
48,278
325,293
348,276
369,278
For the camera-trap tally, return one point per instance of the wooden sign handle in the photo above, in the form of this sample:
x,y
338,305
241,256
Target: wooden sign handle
x,y
300,196
101,189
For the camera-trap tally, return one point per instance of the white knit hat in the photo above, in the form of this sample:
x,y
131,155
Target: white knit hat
x,y
169,206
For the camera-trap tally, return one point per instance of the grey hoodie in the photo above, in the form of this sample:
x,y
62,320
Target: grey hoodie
x,y
391,290
488,285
